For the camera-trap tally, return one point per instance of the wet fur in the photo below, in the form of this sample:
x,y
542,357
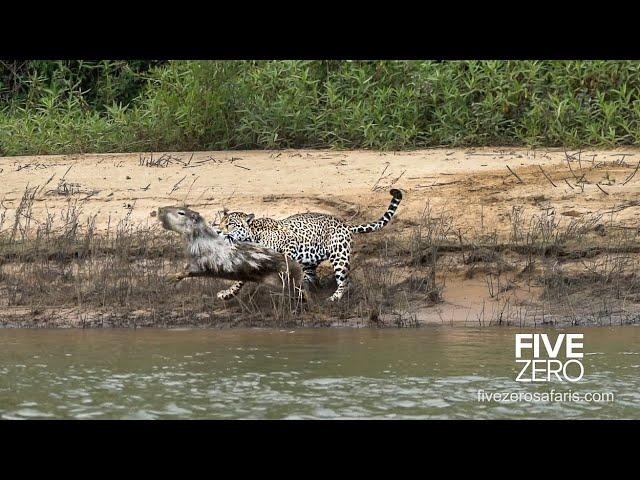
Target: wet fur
x,y
211,255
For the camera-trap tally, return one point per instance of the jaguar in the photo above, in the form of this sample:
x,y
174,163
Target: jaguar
x,y
308,238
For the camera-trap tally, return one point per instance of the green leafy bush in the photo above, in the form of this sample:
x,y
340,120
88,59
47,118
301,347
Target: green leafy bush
x,y
71,107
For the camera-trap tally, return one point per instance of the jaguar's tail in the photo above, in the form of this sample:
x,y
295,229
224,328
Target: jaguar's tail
x,y
374,226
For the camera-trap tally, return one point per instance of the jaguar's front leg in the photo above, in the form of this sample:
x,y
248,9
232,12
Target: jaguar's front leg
x,y
230,292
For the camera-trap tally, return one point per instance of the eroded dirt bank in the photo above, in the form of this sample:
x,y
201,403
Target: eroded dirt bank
x,y
482,235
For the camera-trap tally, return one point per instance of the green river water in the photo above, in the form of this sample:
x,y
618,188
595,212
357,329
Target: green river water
x,y
431,372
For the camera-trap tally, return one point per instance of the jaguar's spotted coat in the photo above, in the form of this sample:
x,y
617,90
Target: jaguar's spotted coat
x,y
308,238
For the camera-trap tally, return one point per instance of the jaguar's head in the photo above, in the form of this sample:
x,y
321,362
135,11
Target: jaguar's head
x,y
237,226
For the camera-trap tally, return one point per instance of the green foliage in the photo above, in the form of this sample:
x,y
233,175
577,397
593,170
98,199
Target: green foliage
x,y
96,83
73,106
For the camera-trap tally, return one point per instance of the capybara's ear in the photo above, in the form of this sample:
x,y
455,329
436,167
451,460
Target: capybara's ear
x,y
250,218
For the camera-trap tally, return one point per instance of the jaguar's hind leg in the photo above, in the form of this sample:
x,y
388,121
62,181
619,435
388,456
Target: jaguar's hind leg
x,y
340,263
230,292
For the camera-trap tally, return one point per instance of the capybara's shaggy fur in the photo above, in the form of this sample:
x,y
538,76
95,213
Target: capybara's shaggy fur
x,y
211,255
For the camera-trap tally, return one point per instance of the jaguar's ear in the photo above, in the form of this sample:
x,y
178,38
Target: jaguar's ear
x,y
250,218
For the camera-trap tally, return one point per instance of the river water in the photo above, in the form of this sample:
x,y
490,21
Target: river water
x,y
433,372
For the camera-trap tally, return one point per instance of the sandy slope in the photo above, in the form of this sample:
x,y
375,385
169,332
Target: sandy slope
x,y
474,186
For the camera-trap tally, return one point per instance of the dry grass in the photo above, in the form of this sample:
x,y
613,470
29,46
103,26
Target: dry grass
x,y
58,270
61,265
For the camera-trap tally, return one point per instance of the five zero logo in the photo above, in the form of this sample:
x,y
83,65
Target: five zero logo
x,y
545,364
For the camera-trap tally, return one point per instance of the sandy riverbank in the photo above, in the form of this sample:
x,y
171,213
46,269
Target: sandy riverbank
x,y
507,223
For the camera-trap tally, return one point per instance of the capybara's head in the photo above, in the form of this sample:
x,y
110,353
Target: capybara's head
x,y
180,219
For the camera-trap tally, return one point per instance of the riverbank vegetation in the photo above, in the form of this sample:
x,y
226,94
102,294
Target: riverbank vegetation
x,y
62,107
